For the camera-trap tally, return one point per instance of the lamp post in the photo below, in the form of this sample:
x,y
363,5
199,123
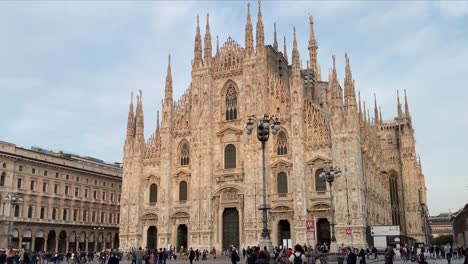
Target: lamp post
x,y
329,175
14,199
263,134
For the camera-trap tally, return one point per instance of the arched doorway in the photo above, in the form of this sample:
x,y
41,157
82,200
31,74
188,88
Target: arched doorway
x,y
72,242
82,242
91,242
151,239
100,242
51,241
182,233
323,231
39,241
230,228
62,246
27,239
116,240
284,232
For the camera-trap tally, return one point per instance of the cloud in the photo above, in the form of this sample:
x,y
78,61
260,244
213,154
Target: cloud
x,y
67,69
452,8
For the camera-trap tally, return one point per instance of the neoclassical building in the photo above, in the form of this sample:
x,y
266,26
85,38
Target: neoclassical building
x,y
197,180
69,202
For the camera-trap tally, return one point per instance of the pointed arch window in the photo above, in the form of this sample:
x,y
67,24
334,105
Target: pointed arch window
x,y
230,156
282,182
183,188
394,200
185,155
153,195
282,144
320,183
231,103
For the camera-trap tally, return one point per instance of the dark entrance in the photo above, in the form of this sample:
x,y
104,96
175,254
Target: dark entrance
x,y
284,231
39,244
151,239
230,228
116,240
182,236
62,245
51,241
323,231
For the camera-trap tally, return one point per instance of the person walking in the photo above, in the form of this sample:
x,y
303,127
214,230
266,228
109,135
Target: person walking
x,y
234,256
298,256
362,255
191,255
389,254
113,259
448,253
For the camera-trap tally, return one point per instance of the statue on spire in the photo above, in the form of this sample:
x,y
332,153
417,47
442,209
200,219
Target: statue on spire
x,y
197,61
275,41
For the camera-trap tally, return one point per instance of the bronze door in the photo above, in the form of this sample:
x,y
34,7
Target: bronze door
x,y
230,228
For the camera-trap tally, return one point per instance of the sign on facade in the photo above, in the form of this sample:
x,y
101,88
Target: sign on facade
x,y
385,230
310,225
348,231
310,235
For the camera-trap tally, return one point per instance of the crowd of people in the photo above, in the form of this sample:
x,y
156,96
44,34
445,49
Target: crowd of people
x,y
250,255
23,256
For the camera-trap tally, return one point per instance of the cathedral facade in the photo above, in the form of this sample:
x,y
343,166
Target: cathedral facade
x,y
197,180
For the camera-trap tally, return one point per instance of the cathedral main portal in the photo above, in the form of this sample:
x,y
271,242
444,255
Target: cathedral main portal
x,y
230,228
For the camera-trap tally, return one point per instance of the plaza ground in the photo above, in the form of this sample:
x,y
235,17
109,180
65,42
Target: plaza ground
x,y
371,261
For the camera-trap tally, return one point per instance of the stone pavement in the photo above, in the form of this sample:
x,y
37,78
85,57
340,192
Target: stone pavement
x,y
377,261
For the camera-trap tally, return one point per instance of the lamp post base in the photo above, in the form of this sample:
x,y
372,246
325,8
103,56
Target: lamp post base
x,y
266,242
333,247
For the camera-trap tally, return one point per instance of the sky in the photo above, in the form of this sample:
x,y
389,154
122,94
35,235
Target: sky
x,y
67,68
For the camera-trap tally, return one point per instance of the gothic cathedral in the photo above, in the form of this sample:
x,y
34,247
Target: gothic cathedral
x,y
197,180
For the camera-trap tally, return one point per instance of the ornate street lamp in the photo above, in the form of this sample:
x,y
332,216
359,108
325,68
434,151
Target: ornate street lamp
x,y
263,134
14,199
329,175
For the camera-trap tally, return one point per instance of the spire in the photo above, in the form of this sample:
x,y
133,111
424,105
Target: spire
x,y
359,105
157,121
376,111
260,36
336,96
350,95
407,113
296,68
217,45
197,58
139,118
168,88
275,41
248,33
319,72
208,49
285,52
400,112
313,47
131,120
364,112
380,115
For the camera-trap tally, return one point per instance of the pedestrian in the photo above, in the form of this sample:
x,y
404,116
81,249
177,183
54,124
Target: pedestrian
x,y
351,258
298,256
448,253
389,255
422,257
362,255
234,256
191,255
113,259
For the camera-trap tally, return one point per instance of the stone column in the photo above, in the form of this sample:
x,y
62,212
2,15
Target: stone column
x,y
86,244
44,245
56,243
66,246
33,243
